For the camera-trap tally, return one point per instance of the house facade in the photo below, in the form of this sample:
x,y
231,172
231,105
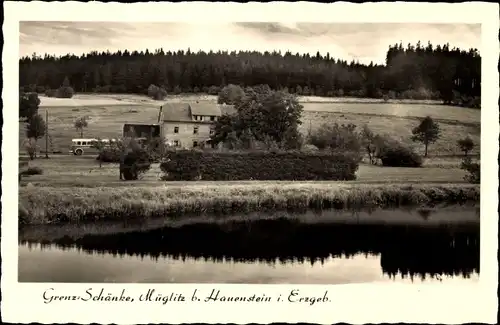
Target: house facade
x,y
190,125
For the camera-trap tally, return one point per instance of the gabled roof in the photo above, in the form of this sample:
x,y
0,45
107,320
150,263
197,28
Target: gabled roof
x,y
207,109
179,112
183,112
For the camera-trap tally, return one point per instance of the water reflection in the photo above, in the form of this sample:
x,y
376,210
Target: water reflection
x,y
266,251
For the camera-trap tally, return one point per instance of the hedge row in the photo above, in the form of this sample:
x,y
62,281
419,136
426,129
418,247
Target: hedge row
x,y
108,155
218,166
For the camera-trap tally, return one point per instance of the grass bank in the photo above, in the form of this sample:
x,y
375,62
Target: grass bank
x,y
52,205
441,216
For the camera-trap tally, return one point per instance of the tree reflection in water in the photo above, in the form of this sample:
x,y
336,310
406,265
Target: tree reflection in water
x,y
406,250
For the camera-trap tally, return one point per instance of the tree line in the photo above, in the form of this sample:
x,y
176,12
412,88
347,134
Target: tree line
x,y
414,72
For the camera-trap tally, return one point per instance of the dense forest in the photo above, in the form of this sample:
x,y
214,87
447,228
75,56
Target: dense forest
x,y
414,71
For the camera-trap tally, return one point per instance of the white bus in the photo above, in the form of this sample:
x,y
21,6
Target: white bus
x,y
83,146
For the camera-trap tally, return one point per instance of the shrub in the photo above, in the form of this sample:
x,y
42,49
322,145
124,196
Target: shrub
x,y
259,165
177,90
156,92
103,89
65,92
109,155
31,147
473,169
230,94
50,92
150,149
119,89
337,137
135,159
339,93
134,164
391,94
368,141
31,171
213,90
395,154
465,145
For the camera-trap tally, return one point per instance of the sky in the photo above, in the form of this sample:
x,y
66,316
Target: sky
x,y
364,42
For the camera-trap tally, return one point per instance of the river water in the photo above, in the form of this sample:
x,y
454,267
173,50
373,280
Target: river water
x,y
428,245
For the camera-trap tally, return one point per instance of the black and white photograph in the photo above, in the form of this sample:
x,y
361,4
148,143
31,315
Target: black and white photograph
x,y
249,152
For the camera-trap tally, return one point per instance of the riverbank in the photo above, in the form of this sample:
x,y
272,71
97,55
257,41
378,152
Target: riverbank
x,y
58,205
467,215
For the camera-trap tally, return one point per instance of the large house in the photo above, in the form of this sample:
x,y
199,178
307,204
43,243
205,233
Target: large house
x,y
190,125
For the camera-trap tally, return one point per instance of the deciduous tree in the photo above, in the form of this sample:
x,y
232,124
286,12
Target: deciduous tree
x,y
35,129
80,124
28,105
426,132
466,145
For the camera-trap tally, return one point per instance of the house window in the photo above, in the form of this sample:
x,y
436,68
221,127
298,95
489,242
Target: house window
x,y
176,129
195,130
195,144
176,143
212,118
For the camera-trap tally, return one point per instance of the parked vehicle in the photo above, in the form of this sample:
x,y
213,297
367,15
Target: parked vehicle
x,y
84,146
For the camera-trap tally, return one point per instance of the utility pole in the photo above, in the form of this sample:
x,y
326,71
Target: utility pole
x,y
46,134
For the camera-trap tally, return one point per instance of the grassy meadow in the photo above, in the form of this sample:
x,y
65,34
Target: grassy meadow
x,y
84,171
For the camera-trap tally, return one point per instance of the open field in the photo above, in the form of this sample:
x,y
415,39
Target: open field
x,y
130,99
43,205
84,171
441,113
400,128
108,113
